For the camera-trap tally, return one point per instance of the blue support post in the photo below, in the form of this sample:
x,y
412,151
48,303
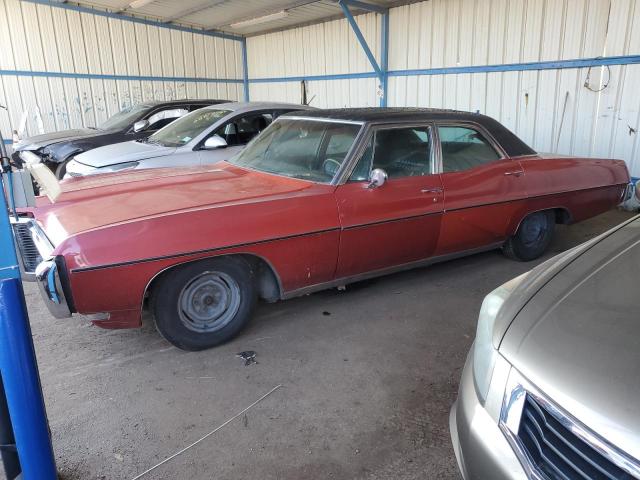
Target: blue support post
x,y
18,366
384,45
245,70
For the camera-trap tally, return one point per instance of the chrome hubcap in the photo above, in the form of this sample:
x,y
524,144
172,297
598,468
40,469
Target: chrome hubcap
x,y
209,302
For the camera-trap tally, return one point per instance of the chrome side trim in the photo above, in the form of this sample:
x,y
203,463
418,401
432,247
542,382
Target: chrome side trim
x,y
387,271
510,416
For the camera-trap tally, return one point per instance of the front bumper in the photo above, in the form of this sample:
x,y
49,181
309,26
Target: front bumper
x,y
50,284
481,448
37,264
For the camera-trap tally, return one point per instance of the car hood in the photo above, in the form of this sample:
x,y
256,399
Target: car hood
x,y
94,202
122,152
39,141
578,339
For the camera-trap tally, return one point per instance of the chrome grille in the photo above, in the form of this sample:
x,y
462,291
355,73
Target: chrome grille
x,y
557,452
26,246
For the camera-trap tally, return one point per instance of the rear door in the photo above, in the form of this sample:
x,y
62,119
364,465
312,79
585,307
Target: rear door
x,y
398,222
482,188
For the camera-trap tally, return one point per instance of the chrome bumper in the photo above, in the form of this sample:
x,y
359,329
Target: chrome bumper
x,y
37,264
51,287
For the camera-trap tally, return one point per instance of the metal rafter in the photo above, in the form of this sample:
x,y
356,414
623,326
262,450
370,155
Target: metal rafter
x,y
369,7
190,11
263,13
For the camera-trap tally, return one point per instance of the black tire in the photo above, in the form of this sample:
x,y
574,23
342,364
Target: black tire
x,y
60,170
204,304
532,238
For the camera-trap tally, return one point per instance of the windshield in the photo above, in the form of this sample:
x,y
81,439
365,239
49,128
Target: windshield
x,y
124,118
185,129
299,148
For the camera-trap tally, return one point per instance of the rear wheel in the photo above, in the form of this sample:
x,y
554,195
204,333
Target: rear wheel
x,y
204,304
532,238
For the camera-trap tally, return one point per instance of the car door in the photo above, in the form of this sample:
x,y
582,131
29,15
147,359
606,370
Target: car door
x,y
237,132
482,188
398,222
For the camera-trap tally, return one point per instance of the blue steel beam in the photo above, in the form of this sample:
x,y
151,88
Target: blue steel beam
x,y
384,41
366,6
511,67
245,70
129,18
361,39
107,76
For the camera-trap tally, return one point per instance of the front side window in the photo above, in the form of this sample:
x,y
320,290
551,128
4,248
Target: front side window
x,y
185,129
299,148
464,148
400,152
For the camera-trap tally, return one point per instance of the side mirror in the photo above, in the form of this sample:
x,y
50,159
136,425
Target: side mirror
x,y
140,125
214,142
377,178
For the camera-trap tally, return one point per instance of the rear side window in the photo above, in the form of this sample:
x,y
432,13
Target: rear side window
x,y
464,148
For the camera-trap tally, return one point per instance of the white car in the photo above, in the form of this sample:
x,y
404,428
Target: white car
x,y
206,135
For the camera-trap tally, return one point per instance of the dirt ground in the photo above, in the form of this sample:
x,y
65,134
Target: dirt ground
x,y
368,376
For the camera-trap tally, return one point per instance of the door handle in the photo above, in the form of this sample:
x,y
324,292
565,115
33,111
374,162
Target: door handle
x,y
517,173
431,190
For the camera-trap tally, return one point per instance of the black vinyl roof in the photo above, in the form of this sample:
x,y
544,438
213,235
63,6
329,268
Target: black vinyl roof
x,y
511,144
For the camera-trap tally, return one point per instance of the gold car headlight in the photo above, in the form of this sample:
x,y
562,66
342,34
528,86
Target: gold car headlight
x,y
484,352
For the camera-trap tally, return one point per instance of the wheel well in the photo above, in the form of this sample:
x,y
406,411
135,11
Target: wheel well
x,y
267,281
563,216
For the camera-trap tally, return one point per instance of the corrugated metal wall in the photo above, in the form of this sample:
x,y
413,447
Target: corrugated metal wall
x,y
43,39
325,49
552,110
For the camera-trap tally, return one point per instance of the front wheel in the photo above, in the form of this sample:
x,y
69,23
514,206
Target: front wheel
x,y
532,238
204,304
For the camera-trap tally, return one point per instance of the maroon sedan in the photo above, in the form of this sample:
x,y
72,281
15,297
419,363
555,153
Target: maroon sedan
x,y
319,199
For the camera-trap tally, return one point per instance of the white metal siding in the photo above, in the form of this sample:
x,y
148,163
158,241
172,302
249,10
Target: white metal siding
x,y
324,49
41,38
460,33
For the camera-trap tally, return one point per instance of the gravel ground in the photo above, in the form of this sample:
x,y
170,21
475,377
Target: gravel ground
x,y
368,376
